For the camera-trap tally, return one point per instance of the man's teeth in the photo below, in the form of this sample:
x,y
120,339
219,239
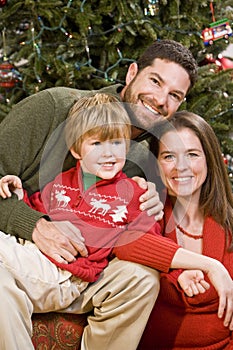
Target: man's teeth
x,y
149,107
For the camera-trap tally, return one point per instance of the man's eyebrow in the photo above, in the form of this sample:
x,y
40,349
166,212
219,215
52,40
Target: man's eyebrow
x,y
158,76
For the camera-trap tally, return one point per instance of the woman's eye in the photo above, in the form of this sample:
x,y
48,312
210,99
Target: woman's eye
x,y
169,157
192,155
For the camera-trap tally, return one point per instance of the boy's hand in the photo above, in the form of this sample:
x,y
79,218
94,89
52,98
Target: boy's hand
x,y
9,184
192,282
150,199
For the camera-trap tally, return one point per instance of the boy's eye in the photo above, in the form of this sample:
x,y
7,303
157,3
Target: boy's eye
x,y
116,142
96,143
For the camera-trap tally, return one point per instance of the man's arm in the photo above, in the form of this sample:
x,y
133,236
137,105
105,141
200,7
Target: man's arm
x,y
24,134
21,147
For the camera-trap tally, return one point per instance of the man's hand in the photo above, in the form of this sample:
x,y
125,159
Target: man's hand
x,y
150,199
61,240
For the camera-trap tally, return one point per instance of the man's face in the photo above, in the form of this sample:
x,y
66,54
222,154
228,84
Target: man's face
x,y
154,93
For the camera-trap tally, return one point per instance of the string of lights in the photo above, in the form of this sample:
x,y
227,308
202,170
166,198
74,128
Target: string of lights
x,y
35,39
90,44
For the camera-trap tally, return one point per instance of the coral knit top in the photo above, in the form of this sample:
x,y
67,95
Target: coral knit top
x,y
180,322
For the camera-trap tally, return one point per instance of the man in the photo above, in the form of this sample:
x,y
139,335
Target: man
x,y
156,85
125,293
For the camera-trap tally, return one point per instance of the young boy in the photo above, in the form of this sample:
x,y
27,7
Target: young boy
x,y
95,195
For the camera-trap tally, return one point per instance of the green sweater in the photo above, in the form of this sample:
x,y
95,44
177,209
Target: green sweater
x,y
33,147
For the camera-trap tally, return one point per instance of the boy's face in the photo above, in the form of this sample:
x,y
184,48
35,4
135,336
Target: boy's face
x,y
155,92
102,158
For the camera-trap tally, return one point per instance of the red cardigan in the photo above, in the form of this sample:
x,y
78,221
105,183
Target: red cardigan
x,y
102,213
180,322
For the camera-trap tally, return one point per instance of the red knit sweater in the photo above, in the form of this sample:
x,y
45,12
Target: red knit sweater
x,y
179,322
102,213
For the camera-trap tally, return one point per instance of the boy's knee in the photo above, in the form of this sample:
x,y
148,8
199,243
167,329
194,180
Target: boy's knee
x,y
149,278
140,277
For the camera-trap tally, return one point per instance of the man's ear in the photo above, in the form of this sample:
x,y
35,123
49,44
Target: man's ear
x,y
131,73
75,154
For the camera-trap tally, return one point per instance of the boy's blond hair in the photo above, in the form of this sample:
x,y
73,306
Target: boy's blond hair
x,y
100,114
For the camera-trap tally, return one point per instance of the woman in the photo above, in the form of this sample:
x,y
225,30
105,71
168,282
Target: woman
x,y
198,216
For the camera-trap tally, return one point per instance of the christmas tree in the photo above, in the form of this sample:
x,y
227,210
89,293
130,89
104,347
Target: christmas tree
x,y
89,44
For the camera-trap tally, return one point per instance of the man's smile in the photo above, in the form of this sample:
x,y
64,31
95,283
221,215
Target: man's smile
x,y
150,108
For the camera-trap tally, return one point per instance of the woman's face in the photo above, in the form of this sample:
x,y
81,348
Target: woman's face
x,y
182,162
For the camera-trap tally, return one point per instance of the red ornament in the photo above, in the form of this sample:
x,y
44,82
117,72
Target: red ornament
x,y
3,3
225,159
8,76
225,62
222,63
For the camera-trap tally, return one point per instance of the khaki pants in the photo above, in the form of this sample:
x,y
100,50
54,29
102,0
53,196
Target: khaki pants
x,y
122,298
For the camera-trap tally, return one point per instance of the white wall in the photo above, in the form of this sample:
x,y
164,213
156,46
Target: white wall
x,y
229,51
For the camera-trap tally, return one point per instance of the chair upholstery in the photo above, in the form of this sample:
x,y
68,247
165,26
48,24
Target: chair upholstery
x,y
57,331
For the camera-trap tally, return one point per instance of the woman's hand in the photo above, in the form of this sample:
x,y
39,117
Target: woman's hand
x,y
150,199
223,284
218,276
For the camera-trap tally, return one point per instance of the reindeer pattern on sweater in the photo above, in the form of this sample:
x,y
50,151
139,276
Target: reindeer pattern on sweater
x,y
101,213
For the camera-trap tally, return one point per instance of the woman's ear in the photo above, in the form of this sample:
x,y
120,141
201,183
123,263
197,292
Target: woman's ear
x,y
75,154
131,73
